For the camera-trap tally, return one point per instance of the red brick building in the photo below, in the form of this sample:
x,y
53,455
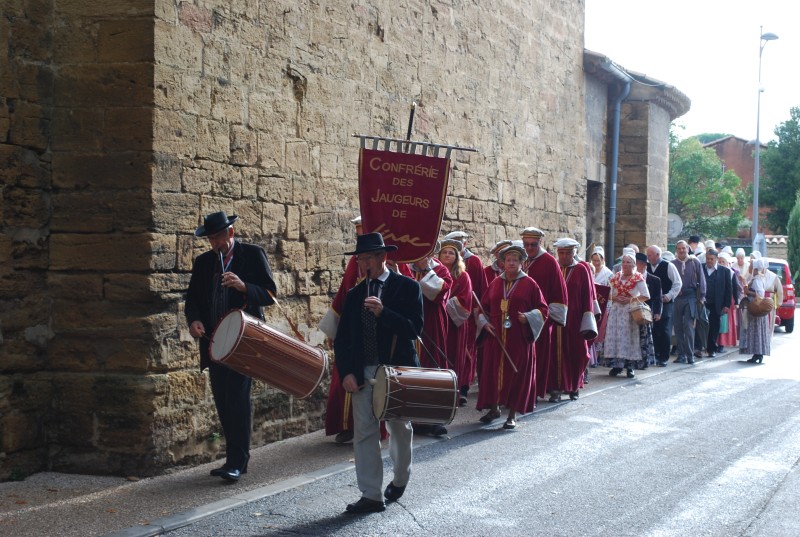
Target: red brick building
x,y
737,154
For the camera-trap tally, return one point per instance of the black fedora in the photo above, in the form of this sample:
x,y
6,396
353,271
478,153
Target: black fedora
x,y
214,223
371,242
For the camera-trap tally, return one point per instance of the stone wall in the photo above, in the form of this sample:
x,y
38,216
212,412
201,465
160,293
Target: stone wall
x,y
124,122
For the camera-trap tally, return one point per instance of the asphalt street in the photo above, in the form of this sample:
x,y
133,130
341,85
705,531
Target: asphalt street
x,y
711,450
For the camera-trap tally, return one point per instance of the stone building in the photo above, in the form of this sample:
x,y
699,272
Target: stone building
x,y
123,122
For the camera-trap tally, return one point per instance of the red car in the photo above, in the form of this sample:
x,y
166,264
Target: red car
x,y
785,317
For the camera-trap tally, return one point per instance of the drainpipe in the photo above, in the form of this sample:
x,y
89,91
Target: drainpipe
x,y
613,69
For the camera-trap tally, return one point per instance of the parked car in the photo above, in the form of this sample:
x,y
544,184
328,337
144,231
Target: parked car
x,y
785,310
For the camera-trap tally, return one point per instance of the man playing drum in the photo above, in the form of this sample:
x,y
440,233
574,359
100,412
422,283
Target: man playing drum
x,y
231,275
381,320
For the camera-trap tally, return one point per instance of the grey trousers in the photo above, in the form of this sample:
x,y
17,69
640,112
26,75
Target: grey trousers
x,y
367,444
684,315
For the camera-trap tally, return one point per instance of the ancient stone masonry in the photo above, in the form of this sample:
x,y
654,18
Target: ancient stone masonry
x,y
123,122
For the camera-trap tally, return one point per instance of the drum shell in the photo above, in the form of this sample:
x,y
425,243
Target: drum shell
x,y
263,353
416,394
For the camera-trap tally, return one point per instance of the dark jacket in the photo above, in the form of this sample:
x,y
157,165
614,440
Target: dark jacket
x,y
398,327
250,264
718,295
654,287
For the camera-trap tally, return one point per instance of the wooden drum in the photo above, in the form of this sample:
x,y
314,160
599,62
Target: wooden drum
x,y
250,347
415,394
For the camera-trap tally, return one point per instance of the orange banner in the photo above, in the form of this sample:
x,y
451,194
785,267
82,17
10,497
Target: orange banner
x,y
402,197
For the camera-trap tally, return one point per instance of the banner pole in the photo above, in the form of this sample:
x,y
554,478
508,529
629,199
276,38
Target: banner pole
x,y
410,123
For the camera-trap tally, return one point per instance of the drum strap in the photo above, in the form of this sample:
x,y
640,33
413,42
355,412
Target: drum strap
x,y
394,345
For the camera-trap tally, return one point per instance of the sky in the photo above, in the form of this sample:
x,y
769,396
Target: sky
x,y
708,50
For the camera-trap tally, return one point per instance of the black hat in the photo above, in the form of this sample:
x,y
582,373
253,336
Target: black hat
x,y
214,223
641,257
371,242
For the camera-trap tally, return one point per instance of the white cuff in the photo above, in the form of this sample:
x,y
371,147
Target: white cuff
x,y
535,321
431,285
589,324
481,322
330,323
558,313
456,311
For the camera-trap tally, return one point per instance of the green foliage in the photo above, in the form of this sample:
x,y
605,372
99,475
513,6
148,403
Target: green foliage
x,y
709,201
710,137
780,167
793,229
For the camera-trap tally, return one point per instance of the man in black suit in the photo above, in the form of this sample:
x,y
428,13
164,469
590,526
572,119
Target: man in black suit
x,y
231,275
380,323
718,297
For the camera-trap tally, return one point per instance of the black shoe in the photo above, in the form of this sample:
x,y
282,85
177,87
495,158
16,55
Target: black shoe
x,y
698,354
679,361
231,474
615,371
690,360
573,396
462,401
393,492
216,472
365,505
343,437
437,430
753,360
661,364
630,374
720,348
759,358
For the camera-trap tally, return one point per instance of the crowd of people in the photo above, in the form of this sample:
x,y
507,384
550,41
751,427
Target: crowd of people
x,y
530,325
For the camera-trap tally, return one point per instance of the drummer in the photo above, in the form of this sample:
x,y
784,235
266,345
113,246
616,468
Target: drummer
x,y
232,275
381,320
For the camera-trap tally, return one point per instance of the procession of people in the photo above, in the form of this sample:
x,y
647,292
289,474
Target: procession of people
x,y
526,326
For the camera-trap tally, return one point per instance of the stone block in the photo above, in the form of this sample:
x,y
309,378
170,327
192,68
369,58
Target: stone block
x,y
77,129
298,157
213,140
179,47
77,287
99,85
292,222
125,40
174,212
101,211
137,134
115,170
244,148
105,252
29,125
274,219
226,99
176,134
276,188
291,256
25,208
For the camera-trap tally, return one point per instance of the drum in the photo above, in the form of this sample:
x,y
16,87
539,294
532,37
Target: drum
x,y
415,394
250,347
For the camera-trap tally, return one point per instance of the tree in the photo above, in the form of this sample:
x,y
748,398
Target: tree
x,y
793,229
780,162
709,200
710,137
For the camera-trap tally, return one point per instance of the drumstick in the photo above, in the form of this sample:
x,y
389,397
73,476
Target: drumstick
x,y
502,347
294,327
430,339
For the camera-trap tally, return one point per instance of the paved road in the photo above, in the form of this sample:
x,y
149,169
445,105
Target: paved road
x,y
706,450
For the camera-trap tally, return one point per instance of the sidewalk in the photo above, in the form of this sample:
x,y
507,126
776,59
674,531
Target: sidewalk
x,y
65,505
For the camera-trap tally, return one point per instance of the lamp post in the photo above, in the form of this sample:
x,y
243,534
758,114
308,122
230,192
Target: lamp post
x,y
758,240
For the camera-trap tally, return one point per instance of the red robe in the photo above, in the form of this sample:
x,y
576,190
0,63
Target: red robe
x,y
572,351
545,271
479,284
436,286
490,273
499,385
459,308
338,413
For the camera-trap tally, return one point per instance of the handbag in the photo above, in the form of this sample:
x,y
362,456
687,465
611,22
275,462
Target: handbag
x,y
640,312
759,307
723,323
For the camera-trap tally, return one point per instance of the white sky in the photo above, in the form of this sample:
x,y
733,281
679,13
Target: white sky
x,y
707,49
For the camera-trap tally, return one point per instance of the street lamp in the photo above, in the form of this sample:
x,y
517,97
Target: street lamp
x,y
758,240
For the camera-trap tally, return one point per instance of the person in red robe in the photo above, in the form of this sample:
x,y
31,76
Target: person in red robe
x,y
572,350
458,308
510,319
495,269
477,277
545,271
436,282
338,410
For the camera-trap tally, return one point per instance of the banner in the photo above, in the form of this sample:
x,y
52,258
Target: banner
x,y
402,197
